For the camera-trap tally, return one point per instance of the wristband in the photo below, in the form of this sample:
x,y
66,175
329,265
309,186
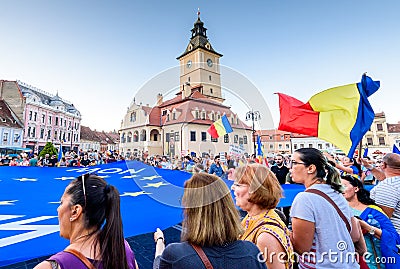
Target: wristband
x,y
162,238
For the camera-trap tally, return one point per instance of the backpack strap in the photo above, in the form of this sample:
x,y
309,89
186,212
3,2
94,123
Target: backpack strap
x,y
320,193
81,257
202,256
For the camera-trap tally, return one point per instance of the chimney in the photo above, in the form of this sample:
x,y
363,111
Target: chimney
x,y
159,99
187,90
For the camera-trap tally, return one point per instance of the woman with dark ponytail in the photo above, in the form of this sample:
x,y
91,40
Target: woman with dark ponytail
x,y
317,227
90,218
382,241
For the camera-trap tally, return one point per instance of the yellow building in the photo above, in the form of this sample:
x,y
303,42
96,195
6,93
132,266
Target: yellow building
x,y
178,126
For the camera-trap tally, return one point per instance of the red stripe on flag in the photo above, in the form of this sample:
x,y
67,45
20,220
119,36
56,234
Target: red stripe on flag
x,y
297,117
212,131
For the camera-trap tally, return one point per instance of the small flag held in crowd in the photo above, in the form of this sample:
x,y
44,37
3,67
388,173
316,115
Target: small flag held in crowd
x,y
395,149
365,153
60,154
260,150
220,127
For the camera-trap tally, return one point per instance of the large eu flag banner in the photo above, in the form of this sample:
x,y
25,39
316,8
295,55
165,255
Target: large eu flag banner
x,y
29,197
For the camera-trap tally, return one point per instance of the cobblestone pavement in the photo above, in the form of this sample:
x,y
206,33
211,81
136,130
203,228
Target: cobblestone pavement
x,y
142,245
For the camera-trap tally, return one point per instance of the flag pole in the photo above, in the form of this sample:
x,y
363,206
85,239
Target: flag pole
x,y
359,157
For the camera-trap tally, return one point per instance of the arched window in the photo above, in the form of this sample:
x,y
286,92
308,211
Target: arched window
x,y
135,136
143,135
129,138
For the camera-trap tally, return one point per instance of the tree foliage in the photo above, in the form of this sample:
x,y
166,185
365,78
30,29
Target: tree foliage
x,y
48,149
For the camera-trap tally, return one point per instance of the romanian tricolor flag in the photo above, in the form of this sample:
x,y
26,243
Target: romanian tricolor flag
x,y
340,115
220,127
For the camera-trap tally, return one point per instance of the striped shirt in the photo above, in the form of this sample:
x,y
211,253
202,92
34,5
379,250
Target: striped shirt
x,y
387,193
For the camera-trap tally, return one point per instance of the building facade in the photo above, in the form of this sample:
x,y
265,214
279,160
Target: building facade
x,y
179,126
98,141
48,118
304,141
11,129
276,141
377,138
394,134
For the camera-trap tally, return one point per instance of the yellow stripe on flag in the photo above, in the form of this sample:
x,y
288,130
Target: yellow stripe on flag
x,y
338,109
219,126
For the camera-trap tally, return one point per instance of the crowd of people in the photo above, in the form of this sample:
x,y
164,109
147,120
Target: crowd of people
x,y
336,212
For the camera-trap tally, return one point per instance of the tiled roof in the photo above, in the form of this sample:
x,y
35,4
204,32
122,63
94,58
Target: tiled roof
x,y
6,116
154,116
114,136
190,105
88,134
393,128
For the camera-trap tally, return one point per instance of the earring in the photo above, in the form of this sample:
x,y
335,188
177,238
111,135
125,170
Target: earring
x,y
71,219
309,172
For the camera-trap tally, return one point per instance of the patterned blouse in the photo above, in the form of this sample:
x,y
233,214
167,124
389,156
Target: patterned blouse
x,y
272,225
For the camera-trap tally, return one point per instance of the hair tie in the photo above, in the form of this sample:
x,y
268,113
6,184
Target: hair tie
x,y
107,189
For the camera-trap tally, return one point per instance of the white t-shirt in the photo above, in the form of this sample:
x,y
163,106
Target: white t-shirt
x,y
387,193
332,245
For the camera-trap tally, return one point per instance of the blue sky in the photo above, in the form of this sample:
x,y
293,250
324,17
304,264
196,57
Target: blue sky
x,y
97,54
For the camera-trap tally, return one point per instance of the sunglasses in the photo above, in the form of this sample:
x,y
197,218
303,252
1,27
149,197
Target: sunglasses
x,y
83,177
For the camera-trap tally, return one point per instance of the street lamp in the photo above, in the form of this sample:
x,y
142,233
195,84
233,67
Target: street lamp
x,y
71,129
253,116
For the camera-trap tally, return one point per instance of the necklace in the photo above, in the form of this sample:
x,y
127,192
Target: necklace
x,y
255,217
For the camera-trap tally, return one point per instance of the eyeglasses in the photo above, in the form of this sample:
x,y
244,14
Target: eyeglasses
x,y
83,184
294,163
237,185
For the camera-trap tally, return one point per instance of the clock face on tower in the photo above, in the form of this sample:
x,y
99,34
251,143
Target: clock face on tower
x,y
189,64
209,62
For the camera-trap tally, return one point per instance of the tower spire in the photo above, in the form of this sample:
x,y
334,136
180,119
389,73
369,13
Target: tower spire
x,y
198,13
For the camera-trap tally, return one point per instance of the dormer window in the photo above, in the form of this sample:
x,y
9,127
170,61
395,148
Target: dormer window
x,y
164,112
203,115
197,114
174,115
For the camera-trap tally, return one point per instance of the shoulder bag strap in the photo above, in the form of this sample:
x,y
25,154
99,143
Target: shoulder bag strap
x,y
203,256
320,193
81,257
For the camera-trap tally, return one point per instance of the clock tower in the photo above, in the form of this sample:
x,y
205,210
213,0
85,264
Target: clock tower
x,y
199,65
